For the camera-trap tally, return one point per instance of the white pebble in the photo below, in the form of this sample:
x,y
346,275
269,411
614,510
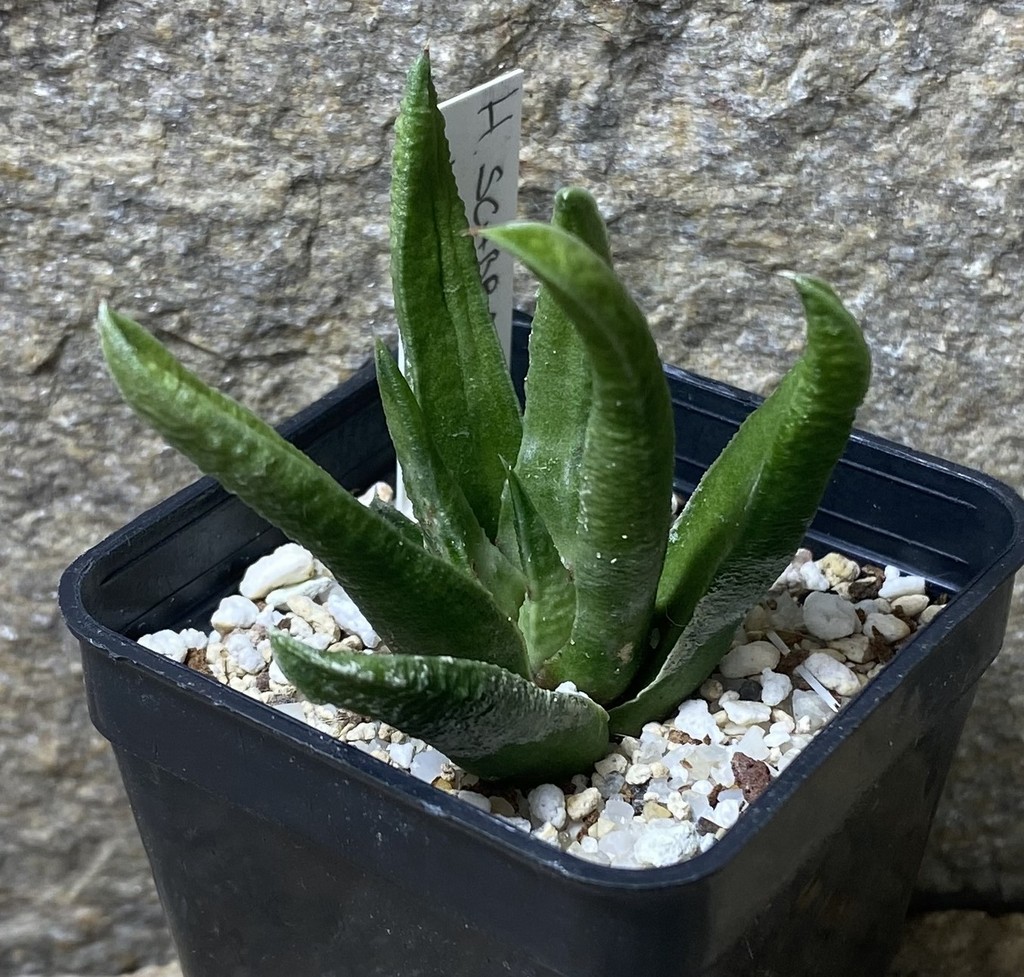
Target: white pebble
x,y
288,564
638,773
783,719
578,806
929,614
856,648
787,614
668,845
401,754
313,587
194,638
752,745
833,675
379,490
910,604
520,824
296,710
695,719
276,675
234,613
297,627
774,687
790,577
809,711
350,618
745,713
547,803
828,616
618,811
677,806
477,800
268,618
898,585
749,659
812,578
618,846
243,652
778,735
888,626
428,765
726,812
613,763
314,614
698,802
610,785
170,644
547,832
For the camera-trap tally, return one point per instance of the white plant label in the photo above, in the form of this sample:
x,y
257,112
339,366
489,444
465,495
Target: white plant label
x,y
483,128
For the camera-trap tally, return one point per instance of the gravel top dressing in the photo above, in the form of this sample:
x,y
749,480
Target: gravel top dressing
x,y
822,632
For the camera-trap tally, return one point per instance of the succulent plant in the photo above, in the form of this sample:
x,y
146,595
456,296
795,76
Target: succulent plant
x,y
541,600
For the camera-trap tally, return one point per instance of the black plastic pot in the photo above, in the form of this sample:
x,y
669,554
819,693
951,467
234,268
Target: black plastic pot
x,y
279,852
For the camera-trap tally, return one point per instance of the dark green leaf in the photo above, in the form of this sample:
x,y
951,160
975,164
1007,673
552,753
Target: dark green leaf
x,y
440,507
549,609
452,355
403,524
751,510
558,390
416,601
489,721
626,468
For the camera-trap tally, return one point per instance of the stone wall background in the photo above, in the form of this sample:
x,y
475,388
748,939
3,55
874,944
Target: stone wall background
x,y
217,168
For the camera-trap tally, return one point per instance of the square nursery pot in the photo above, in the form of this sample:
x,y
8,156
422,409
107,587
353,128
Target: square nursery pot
x,y
279,851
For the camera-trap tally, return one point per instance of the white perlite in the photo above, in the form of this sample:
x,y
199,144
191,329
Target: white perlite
x,y
170,644
288,564
749,659
829,616
655,799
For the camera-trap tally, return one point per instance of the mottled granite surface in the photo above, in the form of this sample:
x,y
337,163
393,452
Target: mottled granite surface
x,y
218,170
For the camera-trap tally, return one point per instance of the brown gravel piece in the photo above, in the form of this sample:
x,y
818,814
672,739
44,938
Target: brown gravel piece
x,y
867,586
196,659
752,776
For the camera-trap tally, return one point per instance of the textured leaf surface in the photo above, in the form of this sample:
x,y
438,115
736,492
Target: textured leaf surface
x,y
409,530
438,502
546,616
489,721
626,467
752,508
452,355
416,601
558,390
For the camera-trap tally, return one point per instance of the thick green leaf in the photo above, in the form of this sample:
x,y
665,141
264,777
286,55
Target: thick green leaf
x,y
546,616
443,513
416,601
751,510
558,390
626,468
489,721
452,355
409,530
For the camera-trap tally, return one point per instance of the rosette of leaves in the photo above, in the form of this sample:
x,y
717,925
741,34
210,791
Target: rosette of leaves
x,y
540,601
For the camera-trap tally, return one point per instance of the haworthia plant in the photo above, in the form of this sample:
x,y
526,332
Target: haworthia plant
x,y
541,601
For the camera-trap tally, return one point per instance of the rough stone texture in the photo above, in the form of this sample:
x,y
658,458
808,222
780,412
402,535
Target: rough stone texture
x,y
961,944
215,169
